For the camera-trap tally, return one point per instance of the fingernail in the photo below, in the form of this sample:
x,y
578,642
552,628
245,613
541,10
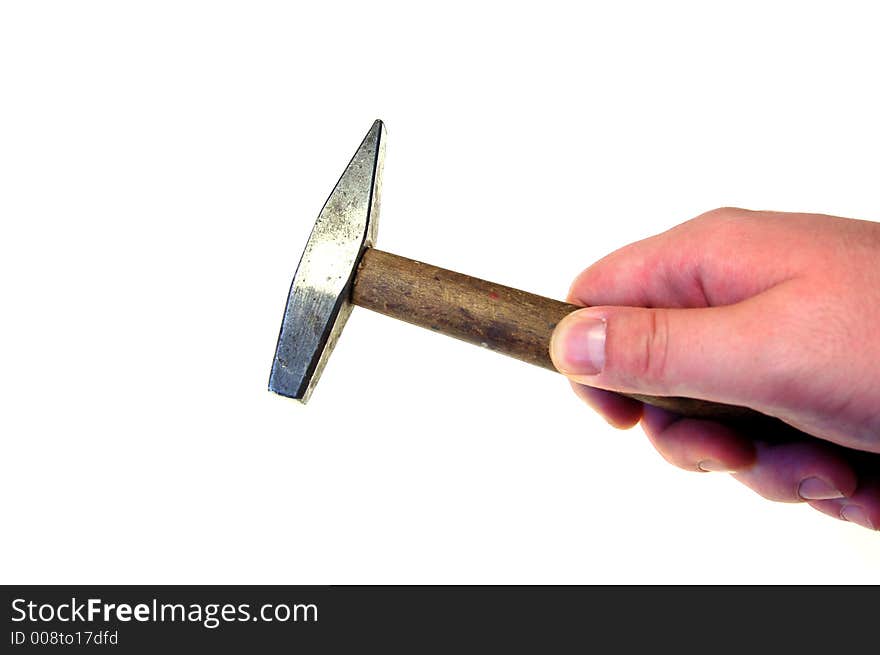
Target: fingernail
x,y
711,466
817,489
855,514
578,345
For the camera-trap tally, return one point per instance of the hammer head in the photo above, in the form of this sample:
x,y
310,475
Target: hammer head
x,y
318,303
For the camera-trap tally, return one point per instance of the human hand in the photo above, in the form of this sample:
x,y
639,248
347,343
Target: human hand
x,y
773,311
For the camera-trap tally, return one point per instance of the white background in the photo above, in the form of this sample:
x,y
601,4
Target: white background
x,y
161,165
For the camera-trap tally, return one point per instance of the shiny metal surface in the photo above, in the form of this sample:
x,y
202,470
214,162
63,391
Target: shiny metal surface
x,y
318,302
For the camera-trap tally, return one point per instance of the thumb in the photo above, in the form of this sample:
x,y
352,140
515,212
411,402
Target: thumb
x,y
713,353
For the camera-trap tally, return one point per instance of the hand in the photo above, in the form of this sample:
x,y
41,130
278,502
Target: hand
x,y
773,311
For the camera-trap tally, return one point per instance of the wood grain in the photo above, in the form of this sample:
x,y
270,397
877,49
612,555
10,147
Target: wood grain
x,y
500,318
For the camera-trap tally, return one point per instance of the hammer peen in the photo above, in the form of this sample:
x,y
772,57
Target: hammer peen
x,y
340,268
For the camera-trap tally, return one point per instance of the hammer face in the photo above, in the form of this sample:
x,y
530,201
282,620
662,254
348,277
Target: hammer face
x,y
318,303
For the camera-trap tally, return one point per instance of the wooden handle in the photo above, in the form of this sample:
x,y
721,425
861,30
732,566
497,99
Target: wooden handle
x,y
506,320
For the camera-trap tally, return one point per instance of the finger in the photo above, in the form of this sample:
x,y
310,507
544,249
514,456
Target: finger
x,y
697,445
710,353
690,265
619,411
809,470
861,508
786,472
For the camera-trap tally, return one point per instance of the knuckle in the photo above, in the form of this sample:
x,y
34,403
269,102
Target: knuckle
x,y
716,229
724,213
655,346
724,223
723,229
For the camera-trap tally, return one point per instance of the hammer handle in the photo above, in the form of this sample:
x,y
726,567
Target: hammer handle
x,y
500,318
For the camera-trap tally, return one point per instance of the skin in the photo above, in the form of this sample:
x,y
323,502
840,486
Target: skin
x,y
778,312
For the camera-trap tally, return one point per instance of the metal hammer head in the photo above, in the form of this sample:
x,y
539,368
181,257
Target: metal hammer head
x,y
318,303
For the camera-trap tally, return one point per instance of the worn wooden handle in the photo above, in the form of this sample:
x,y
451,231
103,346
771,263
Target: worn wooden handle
x,y
506,320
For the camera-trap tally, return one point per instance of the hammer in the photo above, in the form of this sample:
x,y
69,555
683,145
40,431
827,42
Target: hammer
x,y
340,268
